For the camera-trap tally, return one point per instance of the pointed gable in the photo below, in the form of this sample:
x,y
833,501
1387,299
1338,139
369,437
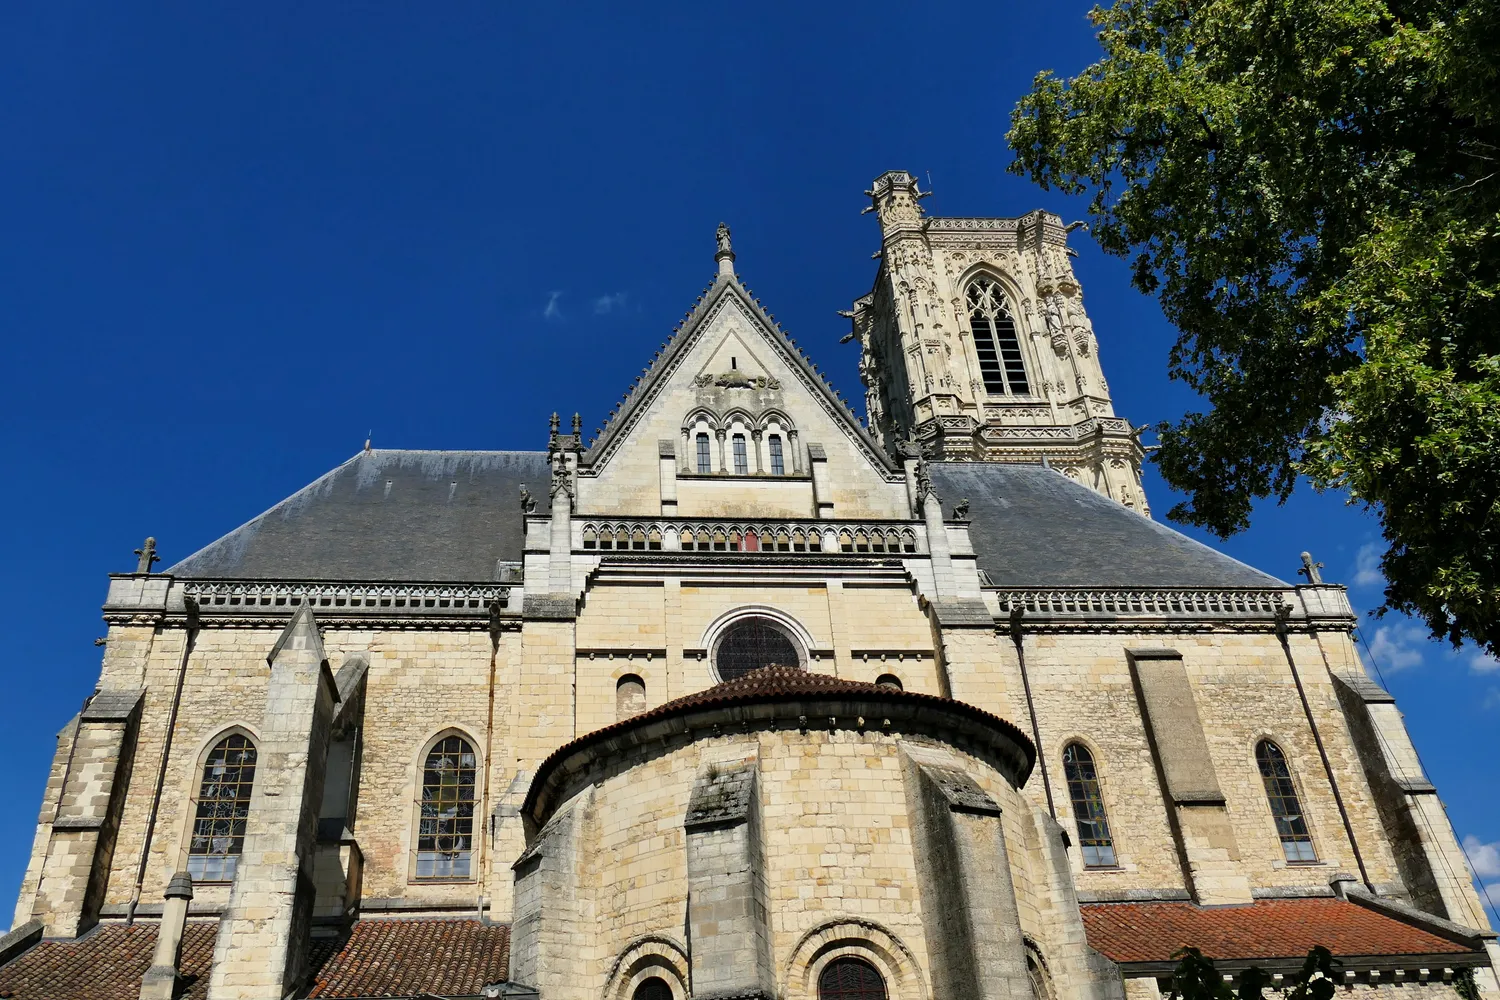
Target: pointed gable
x,y
730,370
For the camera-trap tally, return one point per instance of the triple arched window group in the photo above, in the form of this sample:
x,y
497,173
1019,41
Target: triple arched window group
x,y
1096,843
446,803
739,450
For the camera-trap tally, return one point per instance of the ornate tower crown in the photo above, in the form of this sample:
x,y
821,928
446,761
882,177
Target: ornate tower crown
x,y
975,344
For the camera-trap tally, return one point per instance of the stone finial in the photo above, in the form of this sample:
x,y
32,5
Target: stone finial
x,y
148,556
578,425
725,254
1310,569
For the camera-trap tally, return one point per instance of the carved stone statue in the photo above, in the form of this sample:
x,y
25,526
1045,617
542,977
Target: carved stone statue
x,y
722,235
528,502
961,510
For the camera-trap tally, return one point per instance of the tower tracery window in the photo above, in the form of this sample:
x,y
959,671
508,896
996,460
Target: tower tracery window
x,y
778,461
1001,364
1286,807
741,457
445,832
1094,840
705,458
850,979
222,810
751,644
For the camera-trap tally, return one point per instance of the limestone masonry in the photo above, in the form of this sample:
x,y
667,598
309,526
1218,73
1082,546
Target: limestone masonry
x,y
742,697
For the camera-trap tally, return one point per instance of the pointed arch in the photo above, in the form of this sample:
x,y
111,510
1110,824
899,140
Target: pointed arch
x,y
1087,796
219,810
997,341
1285,803
449,780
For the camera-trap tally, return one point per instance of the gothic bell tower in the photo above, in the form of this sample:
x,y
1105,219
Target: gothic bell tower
x,y
974,346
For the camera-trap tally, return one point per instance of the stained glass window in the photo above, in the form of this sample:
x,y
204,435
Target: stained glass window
x,y
445,834
1088,807
223,808
1286,808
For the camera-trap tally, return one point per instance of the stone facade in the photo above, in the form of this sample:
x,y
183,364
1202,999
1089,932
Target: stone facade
x,y
584,597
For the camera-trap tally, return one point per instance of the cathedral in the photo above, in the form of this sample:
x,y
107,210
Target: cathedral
x,y
746,697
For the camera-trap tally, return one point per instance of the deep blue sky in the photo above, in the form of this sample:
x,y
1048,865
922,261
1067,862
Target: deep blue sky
x,y
236,239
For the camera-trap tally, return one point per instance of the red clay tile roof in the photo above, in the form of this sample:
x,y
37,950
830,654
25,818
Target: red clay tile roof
x,y
1268,928
783,684
106,964
404,957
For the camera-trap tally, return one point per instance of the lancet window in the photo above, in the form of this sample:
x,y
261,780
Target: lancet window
x,y
705,457
1286,808
778,461
445,831
741,456
1088,807
1001,364
222,810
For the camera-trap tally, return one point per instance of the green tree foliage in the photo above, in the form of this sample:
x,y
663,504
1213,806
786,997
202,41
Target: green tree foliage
x,y
1312,190
1195,978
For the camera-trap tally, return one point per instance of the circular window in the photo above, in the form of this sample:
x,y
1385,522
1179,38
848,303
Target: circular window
x,y
751,644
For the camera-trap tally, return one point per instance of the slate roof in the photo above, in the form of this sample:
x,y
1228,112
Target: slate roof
x,y
408,957
435,516
1266,929
1034,527
107,964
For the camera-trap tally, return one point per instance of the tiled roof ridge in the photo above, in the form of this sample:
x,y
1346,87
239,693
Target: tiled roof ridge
x,y
777,684
1140,932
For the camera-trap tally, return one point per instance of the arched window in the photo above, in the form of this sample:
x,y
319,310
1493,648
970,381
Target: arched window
x,y
888,681
1088,807
1000,362
630,696
741,460
445,832
751,644
223,808
850,979
705,459
655,988
778,462
1286,808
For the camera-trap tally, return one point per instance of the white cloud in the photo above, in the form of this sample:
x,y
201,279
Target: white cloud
x,y
1492,699
606,304
1397,647
1482,663
1367,566
552,311
1484,857
1491,893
